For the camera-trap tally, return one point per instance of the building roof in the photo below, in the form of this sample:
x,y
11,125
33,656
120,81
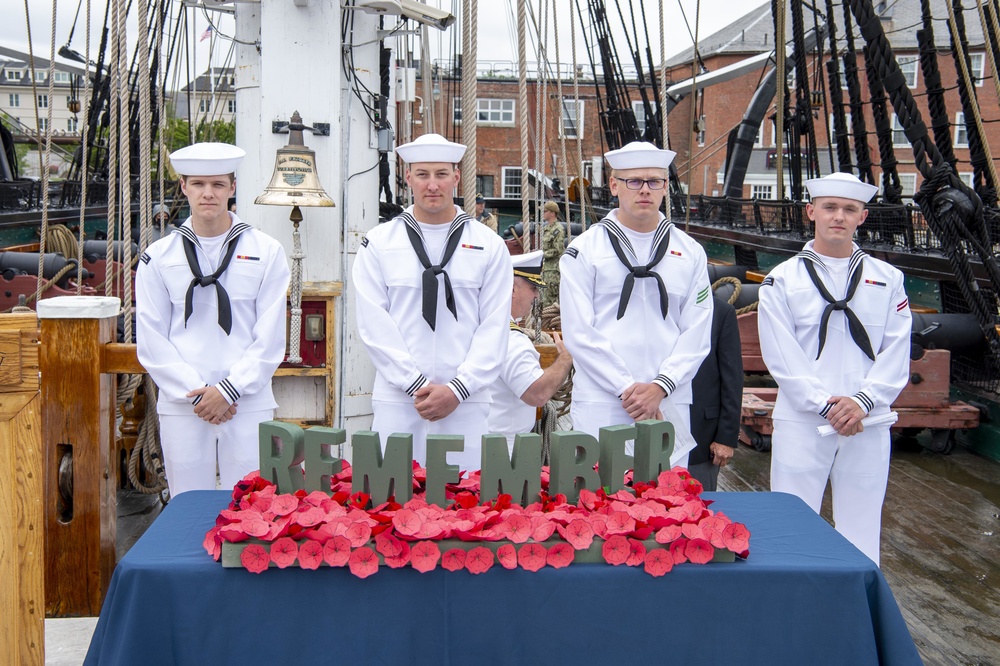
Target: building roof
x,y
224,82
754,31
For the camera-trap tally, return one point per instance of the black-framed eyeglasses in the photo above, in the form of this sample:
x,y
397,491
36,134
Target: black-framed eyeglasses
x,y
637,183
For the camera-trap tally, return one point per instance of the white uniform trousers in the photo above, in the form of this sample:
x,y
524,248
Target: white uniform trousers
x,y
590,417
468,420
192,447
858,469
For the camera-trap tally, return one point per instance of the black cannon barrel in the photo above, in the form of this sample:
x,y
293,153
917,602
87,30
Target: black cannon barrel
x,y
26,263
94,250
958,333
716,271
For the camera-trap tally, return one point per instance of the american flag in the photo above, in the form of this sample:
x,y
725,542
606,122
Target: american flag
x,y
205,35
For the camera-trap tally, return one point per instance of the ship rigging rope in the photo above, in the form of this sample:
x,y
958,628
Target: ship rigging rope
x,y
147,451
778,9
970,85
84,151
469,102
112,152
145,157
940,119
43,156
541,117
692,130
952,210
581,189
125,163
522,111
562,135
664,134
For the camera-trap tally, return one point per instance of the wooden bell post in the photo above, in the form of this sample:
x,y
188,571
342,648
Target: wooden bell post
x,y
78,423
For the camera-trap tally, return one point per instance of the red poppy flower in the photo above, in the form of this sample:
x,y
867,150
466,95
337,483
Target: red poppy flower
x,y
737,537
401,558
254,525
637,553
616,550
692,531
677,551
578,533
311,516
532,556
518,528
283,552
466,500
620,522
453,559
588,499
358,534
658,562
282,505
388,545
479,559
407,522
507,556
560,555
233,533
363,562
213,543
254,558
337,551
424,556
542,529
315,498
699,551
310,554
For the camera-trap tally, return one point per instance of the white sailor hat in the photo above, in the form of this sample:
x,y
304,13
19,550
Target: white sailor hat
x,y
207,159
640,155
529,267
844,185
431,148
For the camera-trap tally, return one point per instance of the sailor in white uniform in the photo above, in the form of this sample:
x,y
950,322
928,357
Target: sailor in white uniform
x,y
210,327
835,334
433,290
636,304
522,385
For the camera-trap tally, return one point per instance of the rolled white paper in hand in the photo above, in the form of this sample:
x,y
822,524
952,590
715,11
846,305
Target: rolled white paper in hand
x,y
826,430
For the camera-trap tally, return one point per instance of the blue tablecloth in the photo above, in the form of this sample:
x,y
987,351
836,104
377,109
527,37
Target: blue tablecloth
x,y
805,596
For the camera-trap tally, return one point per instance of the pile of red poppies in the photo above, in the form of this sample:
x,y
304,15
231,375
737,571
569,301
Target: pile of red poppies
x,y
653,525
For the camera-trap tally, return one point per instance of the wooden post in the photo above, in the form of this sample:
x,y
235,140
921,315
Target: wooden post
x,y
22,592
78,426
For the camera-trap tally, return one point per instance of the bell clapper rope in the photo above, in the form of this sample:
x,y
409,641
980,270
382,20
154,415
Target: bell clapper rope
x,y
295,326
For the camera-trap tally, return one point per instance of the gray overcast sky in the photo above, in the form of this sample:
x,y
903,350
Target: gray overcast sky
x,y
496,41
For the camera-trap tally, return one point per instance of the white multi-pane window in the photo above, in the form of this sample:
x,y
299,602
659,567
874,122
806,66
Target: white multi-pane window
x,y
456,110
43,101
231,105
761,191
13,75
898,136
978,61
961,131
203,106
72,124
572,119
495,111
966,178
758,141
702,124
908,65
61,77
15,99
908,183
511,182
640,116
43,124
40,74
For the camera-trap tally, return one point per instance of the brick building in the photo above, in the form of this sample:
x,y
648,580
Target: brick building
x,y
723,106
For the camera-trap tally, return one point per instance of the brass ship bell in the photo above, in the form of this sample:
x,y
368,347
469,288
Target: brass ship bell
x,y
295,182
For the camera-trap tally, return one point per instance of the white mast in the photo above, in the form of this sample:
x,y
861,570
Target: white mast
x,y
299,67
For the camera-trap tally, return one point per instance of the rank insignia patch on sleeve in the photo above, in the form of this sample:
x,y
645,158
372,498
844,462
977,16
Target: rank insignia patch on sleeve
x,y
768,281
144,258
572,252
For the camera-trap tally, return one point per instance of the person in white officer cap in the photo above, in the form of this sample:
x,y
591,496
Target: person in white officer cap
x,y
522,385
834,329
433,290
636,304
210,326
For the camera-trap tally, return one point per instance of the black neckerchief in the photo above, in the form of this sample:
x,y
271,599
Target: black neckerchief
x,y
190,240
660,242
431,271
857,329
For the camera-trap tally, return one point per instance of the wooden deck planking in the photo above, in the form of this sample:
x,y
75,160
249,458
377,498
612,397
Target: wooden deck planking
x,y
940,547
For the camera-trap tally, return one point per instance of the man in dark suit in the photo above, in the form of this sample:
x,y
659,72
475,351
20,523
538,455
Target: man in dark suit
x,y
717,398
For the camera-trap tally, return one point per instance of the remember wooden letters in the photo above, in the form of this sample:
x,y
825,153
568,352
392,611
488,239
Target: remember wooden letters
x,y
286,449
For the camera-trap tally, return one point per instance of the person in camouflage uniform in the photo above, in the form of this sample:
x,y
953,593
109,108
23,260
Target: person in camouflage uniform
x,y
553,246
